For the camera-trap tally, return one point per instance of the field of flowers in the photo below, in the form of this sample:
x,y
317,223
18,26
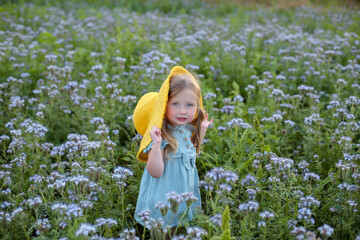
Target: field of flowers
x,y
281,160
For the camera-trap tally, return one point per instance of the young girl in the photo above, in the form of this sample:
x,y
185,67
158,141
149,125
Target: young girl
x,y
173,125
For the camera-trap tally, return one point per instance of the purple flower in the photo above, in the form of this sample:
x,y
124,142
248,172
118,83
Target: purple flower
x,y
196,232
163,207
251,206
189,198
128,235
326,230
216,219
174,200
85,229
266,215
144,215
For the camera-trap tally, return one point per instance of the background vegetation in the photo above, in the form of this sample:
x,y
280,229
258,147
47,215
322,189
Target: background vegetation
x,y
281,81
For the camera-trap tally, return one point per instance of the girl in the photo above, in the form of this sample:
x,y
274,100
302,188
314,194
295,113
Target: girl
x,y
173,125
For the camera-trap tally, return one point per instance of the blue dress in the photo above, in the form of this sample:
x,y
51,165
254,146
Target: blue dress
x,y
180,175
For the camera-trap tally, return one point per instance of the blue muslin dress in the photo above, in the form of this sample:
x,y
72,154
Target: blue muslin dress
x,y
180,175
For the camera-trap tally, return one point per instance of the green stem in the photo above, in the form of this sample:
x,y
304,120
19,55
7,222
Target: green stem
x,y
143,235
23,227
122,203
265,232
182,216
42,195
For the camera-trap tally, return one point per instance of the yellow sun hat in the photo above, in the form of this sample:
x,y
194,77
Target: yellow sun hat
x,y
151,109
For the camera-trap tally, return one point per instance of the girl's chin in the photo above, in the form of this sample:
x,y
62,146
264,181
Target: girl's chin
x,y
178,123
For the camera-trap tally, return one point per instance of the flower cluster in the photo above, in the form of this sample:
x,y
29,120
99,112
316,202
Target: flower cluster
x,y
219,177
121,174
250,206
175,200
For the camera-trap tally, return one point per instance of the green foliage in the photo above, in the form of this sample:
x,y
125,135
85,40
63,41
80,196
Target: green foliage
x,y
225,225
281,85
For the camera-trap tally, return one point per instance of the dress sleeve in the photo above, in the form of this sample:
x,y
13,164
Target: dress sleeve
x,y
164,143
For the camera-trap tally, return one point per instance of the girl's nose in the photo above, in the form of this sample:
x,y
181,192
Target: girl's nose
x,y
182,110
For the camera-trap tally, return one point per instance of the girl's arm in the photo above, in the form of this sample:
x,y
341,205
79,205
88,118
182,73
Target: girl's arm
x,y
155,163
204,126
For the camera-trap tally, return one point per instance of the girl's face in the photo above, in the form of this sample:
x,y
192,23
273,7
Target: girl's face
x,y
181,108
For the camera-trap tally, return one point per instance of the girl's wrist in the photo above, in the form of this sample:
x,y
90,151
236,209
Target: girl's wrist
x,y
157,144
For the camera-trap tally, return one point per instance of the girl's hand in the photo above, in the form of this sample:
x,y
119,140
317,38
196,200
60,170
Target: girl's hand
x,y
155,134
155,163
206,123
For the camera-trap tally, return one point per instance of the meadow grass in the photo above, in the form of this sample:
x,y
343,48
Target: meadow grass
x,y
281,160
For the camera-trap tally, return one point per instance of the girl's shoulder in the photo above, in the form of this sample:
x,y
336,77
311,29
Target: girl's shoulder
x,y
190,127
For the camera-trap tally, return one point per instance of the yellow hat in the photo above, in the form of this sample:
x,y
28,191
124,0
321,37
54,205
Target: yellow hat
x,y
151,109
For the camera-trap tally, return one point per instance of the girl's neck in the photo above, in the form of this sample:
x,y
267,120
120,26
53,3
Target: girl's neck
x,y
176,126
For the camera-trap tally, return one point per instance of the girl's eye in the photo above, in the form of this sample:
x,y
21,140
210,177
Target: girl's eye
x,y
174,104
190,105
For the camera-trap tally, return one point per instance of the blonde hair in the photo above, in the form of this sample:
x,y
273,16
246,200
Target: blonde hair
x,y
177,84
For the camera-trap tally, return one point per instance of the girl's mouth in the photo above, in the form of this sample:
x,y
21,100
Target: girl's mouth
x,y
181,119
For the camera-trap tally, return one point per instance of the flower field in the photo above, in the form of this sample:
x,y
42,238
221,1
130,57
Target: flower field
x,y
280,161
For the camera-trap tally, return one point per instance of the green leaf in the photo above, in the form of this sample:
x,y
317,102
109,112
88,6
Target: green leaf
x,y
273,137
225,225
256,123
236,89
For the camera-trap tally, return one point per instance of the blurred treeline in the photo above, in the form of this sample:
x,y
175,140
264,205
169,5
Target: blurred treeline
x,y
208,7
